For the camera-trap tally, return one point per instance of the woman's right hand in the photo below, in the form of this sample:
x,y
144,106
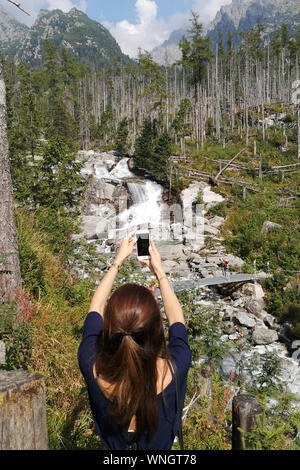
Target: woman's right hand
x,y
154,263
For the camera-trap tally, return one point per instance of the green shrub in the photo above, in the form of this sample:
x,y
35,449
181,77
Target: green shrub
x,y
15,331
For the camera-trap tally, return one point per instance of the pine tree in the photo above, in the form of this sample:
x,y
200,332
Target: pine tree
x,y
121,142
196,52
59,121
58,192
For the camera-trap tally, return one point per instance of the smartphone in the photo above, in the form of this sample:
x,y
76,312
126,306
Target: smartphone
x,y
142,244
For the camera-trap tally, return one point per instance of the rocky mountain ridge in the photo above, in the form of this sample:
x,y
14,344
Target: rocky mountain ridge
x,y
86,39
240,15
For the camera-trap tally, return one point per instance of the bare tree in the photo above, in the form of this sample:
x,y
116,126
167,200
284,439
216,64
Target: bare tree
x,y
10,275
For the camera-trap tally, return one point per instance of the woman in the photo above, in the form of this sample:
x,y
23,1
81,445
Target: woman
x,y
125,361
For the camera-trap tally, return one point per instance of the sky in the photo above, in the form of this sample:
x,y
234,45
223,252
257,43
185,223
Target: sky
x,y
134,24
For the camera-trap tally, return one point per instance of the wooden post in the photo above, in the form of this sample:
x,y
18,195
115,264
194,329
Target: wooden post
x,y
260,168
254,148
298,125
2,352
244,193
23,423
246,412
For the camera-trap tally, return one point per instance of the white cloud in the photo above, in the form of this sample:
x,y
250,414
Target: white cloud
x,y
149,31
208,10
33,7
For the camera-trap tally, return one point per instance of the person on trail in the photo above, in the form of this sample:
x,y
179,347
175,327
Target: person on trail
x,y
224,265
125,360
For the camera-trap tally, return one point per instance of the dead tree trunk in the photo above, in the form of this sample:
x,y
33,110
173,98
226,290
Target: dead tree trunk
x,y
10,276
246,413
23,422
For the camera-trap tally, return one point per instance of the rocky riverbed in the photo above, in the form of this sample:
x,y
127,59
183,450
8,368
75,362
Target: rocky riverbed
x,y
116,193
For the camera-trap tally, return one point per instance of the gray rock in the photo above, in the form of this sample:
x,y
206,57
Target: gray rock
x,y
234,261
195,258
262,335
170,266
244,319
268,226
89,226
239,302
211,229
213,259
247,289
229,364
228,312
254,306
216,221
171,251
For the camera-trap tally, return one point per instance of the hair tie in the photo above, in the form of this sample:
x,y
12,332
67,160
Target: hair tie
x,y
125,334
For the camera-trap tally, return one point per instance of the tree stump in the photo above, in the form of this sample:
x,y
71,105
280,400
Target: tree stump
x,y
246,411
23,423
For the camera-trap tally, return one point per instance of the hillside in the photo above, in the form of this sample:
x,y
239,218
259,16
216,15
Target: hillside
x,y
87,40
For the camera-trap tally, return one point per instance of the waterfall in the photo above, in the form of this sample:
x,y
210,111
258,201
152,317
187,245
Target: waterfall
x,y
145,211
146,197
121,170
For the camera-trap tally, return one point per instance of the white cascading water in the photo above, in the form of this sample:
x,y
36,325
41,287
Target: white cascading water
x,y
121,170
146,197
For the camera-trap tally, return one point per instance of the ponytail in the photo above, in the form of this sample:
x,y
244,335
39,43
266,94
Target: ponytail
x,y
131,342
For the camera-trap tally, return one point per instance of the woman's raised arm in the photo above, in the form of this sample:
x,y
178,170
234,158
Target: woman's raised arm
x,y
104,288
171,303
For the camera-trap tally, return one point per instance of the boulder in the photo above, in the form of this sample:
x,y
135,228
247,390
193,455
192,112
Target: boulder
x,y
229,364
170,266
254,306
213,259
210,197
249,289
234,261
268,226
195,258
262,335
210,229
216,221
171,251
89,226
244,319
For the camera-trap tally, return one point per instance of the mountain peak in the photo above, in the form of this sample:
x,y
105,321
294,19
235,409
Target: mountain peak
x,y
86,39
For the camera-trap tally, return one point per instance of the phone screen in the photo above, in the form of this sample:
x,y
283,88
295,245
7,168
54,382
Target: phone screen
x,y
143,244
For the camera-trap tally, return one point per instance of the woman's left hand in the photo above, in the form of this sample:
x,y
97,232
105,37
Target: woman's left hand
x,y
126,247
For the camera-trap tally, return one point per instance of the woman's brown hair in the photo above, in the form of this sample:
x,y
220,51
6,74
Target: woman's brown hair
x,y
131,341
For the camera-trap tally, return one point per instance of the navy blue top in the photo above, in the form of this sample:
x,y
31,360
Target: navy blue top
x,y
114,437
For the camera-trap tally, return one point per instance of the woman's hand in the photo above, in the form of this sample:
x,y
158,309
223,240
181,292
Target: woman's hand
x,y
126,247
154,263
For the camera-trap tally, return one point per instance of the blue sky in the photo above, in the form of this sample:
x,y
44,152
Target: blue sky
x,y
135,24
118,10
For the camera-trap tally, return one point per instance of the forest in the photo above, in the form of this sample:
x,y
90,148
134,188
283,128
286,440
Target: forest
x,y
212,105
